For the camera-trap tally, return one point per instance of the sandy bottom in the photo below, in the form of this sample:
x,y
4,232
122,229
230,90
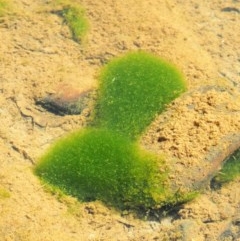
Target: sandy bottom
x,y
37,55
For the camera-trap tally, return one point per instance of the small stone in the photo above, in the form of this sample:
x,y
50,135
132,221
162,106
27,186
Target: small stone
x,y
66,100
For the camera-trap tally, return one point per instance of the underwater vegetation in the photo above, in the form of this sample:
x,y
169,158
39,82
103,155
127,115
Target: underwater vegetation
x,y
133,90
4,193
4,7
105,161
98,164
74,16
230,169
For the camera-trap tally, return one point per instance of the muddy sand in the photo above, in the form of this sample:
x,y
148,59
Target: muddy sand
x,y
38,57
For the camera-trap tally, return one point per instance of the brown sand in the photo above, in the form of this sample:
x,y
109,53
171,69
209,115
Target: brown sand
x,y
37,54
197,132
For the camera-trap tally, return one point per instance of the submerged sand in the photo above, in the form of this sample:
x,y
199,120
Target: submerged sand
x,y
38,55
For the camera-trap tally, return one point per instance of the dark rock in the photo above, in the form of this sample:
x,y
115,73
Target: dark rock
x,y
230,9
67,100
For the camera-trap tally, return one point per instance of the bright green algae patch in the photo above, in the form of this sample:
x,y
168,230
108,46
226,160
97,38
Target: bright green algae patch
x,y
106,162
77,22
230,170
75,17
99,164
133,90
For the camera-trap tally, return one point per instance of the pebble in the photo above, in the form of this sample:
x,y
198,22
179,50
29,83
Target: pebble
x,y
66,100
